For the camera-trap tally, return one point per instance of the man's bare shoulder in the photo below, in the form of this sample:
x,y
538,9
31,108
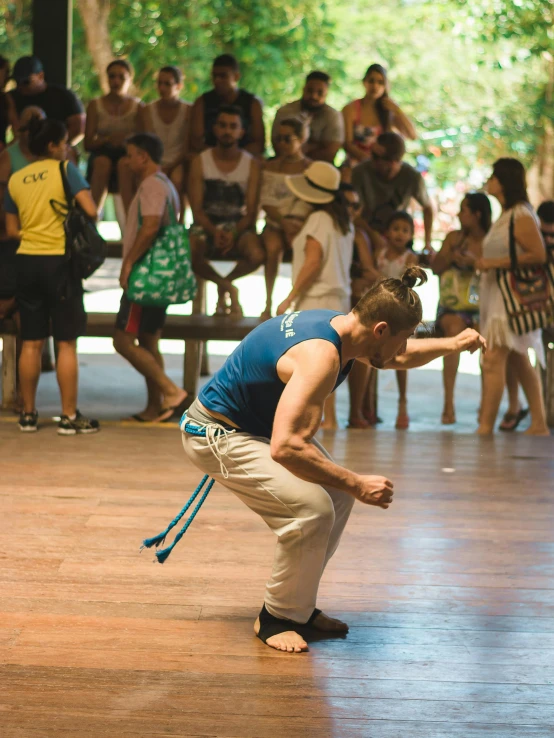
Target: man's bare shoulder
x,y
315,356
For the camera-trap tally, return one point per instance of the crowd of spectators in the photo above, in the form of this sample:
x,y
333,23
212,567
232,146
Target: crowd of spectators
x,y
344,228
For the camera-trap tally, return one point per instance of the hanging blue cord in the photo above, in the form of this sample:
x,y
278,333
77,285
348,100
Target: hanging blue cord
x,y
160,538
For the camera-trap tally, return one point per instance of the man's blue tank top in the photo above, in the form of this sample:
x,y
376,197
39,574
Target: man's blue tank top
x,y
247,388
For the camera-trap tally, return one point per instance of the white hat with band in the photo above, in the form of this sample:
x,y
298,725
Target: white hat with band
x,y
319,184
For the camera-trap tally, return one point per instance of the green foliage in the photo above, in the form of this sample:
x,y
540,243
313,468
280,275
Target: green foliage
x,y
473,74
273,41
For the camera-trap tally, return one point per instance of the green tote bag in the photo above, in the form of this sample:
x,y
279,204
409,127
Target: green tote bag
x,y
164,275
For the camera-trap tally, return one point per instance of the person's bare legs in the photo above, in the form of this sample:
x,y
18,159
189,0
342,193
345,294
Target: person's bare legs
x,y
29,372
177,177
329,414
358,383
402,419
67,374
450,325
369,403
531,383
99,180
493,369
150,342
512,383
147,365
252,256
202,267
274,245
125,183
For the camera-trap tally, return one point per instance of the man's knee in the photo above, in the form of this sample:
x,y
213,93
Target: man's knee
x,y
321,513
251,249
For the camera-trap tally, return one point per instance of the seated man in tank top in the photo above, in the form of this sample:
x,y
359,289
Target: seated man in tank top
x,y
223,190
267,402
225,78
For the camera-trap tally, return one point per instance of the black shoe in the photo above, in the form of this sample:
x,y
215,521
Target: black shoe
x,y
28,422
80,424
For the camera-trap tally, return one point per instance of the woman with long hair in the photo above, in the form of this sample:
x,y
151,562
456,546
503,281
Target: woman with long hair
x,y
322,251
49,296
365,119
285,213
508,184
169,118
110,120
455,265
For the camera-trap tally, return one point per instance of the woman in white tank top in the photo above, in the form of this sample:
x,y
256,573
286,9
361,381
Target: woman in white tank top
x,y
169,118
507,183
110,120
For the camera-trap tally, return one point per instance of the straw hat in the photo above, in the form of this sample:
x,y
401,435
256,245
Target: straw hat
x,y
318,184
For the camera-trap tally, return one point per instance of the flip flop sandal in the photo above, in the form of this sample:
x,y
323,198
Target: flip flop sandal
x,y
510,421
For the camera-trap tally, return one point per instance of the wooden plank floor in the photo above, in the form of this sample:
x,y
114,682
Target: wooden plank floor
x,y
449,594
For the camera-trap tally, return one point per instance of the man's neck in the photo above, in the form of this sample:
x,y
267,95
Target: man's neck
x,y
35,90
228,154
353,335
149,170
231,96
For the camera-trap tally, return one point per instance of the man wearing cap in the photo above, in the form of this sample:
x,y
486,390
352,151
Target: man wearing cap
x,y
325,123
386,184
57,101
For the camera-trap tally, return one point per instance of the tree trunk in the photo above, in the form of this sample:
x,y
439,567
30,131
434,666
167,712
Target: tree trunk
x,y
95,15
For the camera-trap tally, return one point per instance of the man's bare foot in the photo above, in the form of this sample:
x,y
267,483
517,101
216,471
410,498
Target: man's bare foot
x,y
328,625
537,431
290,641
329,425
483,431
448,417
266,315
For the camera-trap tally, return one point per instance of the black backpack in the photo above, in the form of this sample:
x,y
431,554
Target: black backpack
x,y
84,246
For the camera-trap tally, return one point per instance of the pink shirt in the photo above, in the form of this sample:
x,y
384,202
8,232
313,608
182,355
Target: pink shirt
x,y
152,194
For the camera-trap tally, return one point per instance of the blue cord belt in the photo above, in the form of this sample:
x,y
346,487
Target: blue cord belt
x,y
194,430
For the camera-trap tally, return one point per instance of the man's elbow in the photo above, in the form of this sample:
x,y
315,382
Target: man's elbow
x,y
283,451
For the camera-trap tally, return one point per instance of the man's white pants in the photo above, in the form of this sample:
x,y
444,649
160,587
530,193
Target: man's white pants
x,y
307,518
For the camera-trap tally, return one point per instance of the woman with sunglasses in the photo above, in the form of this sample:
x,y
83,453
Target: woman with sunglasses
x,y
169,118
285,213
110,120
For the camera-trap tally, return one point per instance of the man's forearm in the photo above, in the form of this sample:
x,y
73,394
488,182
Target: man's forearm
x,y
421,351
306,462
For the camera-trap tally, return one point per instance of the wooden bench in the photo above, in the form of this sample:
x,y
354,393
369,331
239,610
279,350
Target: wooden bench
x,y
192,329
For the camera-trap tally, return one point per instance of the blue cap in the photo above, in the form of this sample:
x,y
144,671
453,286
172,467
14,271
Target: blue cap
x,y
25,67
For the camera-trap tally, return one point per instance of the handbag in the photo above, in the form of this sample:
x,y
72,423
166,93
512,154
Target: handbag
x,y
528,292
456,290
164,276
84,246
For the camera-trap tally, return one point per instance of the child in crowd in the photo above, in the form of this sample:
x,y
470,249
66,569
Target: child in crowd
x,y
392,260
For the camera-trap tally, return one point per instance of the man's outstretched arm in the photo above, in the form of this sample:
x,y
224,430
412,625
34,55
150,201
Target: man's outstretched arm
x,y
421,351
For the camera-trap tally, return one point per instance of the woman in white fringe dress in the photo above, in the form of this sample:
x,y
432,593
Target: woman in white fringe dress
x,y
507,183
